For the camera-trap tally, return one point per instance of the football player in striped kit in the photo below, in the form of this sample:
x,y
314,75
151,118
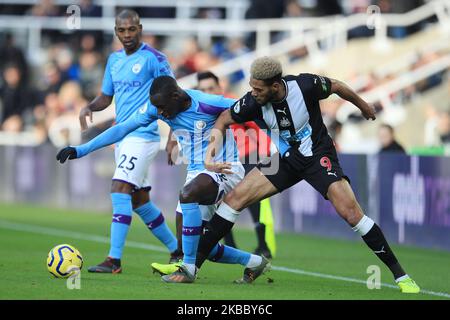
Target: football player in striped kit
x,y
288,107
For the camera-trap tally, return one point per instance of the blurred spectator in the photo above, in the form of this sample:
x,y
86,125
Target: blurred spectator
x,y
186,64
89,39
88,9
52,78
328,7
42,9
10,54
71,98
90,74
262,9
204,60
45,8
235,47
15,98
355,7
64,58
400,6
431,134
208,82
335,130
444,127
210,13
87,42
424,58
293,10
51,109
59,113
387,140
157,12
152,40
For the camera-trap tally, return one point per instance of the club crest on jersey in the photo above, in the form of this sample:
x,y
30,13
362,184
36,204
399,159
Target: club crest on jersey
x,y
200,124
136,68
143,108
284,122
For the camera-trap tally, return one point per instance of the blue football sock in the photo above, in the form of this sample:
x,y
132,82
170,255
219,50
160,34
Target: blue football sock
x,y
154,220
192,228
122,213
225,254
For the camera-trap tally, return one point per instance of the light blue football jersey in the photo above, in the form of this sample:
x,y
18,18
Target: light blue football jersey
x,y
128,78
192,127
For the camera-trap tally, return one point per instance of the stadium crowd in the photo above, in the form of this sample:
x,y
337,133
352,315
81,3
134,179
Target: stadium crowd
x,y
33,96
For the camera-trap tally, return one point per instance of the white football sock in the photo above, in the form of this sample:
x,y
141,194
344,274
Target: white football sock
x,y
191,268
254,261
402,278
227,212
364,225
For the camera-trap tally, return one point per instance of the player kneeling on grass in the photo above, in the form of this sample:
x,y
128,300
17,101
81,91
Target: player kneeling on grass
x,y
190,114
289,105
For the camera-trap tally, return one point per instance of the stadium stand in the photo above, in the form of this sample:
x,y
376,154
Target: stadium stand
x,y
55,70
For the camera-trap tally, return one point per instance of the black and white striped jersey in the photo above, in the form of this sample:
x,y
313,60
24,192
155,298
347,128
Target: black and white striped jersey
x,y
296,121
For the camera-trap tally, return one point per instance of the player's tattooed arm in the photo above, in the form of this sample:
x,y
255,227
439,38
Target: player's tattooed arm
x,y
98,104
216,143
347,93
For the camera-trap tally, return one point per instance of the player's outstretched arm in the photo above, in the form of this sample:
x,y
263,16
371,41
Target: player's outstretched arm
x,y
98,104
346,93
110,136
216,142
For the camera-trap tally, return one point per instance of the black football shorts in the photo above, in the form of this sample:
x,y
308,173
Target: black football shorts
x,y
320,170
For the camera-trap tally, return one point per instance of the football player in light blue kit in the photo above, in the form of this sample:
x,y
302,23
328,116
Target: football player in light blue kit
x,y
128,76
190,114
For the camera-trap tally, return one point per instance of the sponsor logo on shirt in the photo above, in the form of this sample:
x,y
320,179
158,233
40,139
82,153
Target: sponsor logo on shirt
x,y
298,137
120,85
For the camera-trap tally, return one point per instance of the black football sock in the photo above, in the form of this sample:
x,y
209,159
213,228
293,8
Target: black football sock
x,y
377,242
255,210
261,235
215,230
260,229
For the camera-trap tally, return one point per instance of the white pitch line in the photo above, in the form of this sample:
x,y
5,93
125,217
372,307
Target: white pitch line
x,y
347,279
140,245
71,234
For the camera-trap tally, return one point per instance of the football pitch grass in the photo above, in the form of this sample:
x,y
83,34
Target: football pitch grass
x,y
306,267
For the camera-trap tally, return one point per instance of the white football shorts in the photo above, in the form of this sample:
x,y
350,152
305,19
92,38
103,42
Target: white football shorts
x,y
226,183
133,157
